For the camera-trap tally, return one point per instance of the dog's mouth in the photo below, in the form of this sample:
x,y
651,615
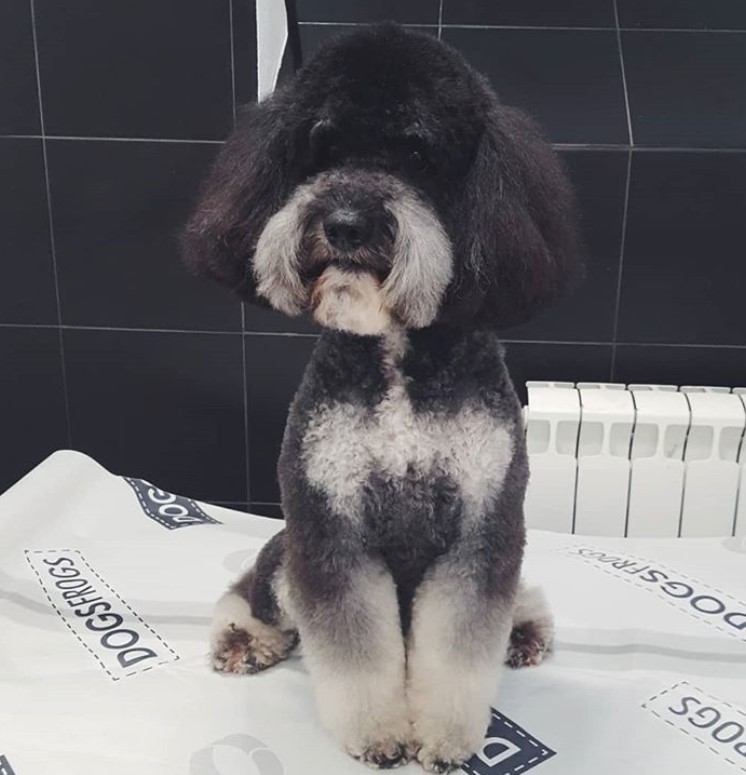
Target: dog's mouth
x,y
318,256
312,273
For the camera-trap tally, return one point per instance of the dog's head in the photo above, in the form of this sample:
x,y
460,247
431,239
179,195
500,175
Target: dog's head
x,y
387,186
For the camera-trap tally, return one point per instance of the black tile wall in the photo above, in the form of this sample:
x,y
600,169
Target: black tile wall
x,y
167,378
162,406
18,93
274,365
367,11
32,409
137,68
27,291
569,80
313,35
273,510
266,320
552,361
244,52
687,89
117,210
587,314
684,250
667,365
683,14
530,13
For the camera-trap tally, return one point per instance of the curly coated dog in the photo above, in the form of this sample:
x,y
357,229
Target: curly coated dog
x,y
388,193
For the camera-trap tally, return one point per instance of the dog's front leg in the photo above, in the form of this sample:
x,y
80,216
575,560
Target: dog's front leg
x,y
354,649
458,638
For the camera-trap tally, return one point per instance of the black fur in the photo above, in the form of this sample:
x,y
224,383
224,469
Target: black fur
x,y
377,115
374,96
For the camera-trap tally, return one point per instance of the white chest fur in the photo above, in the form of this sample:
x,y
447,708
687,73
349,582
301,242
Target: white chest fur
x,y
344,444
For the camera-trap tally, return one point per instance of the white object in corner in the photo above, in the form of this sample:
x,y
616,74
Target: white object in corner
x,y
712,471
552,424
740,526
608,416
271,39
657,475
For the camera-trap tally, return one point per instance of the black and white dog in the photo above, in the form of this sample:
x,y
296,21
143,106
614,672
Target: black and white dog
x,y
388,192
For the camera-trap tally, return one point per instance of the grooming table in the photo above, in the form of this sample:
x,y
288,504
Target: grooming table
x,y
106,590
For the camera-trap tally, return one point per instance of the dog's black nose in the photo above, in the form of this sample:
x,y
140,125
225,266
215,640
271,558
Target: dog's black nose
x,y
347,229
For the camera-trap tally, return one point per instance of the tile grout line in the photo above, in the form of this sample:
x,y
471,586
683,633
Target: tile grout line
x,y
624,73
245,405
114,139
620,271
243,314
292,334
50,226
560,146
233,60
565,28
440,20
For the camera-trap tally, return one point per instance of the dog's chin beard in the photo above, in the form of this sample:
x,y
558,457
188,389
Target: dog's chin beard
x,y
350,300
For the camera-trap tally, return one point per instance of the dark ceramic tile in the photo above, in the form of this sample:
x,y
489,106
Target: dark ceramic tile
x,y
662,365
684,249
273,510
569,80
18,93
587,314
32,404
530,13
118,207
244,51
684,14
27,292
235,505
367,11
313,35
162,407
136,68
264,319
557,362
687,89
274,366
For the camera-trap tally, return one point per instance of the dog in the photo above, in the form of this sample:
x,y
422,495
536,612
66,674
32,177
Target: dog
x,y
387,192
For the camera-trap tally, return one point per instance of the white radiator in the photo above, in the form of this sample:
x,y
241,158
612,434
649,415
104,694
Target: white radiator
x,y
636,460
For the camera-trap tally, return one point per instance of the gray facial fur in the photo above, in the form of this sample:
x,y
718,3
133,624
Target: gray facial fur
x,y
418,258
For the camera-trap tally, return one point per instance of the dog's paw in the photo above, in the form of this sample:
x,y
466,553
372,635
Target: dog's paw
x,y
443,757
530,644
238,651
385,755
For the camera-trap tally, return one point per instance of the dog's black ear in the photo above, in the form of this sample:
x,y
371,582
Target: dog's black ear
x,y
518,225
245,187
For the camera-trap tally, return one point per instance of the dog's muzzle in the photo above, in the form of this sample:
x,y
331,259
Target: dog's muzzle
x,y
360,250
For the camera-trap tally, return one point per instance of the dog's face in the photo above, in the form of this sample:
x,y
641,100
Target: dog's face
x,y
387,187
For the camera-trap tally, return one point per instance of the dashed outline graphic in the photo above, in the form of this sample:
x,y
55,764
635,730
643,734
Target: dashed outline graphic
x,y
205,518
67,624
543,751
652,587
709,696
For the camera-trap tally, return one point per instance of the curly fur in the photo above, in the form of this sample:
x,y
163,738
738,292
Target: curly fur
x,y
388,193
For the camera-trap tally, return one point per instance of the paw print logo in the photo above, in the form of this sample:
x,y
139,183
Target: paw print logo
x,y
236,754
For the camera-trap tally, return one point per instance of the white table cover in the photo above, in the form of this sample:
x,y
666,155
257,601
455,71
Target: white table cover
x,y
106,592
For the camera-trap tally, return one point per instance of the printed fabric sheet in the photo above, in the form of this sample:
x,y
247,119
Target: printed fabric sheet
x,y
106,591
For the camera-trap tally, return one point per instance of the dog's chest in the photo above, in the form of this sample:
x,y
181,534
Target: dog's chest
x,y
357,455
